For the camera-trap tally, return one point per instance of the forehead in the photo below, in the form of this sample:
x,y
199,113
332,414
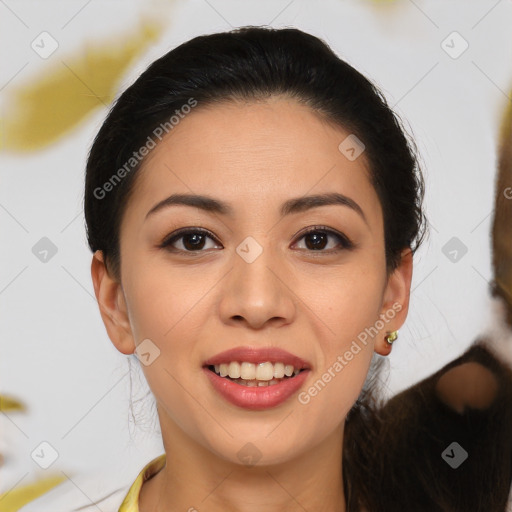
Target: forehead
x,y
254,154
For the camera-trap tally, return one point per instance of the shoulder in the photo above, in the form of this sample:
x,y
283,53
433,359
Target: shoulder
x,y
101,488
109,490
77,493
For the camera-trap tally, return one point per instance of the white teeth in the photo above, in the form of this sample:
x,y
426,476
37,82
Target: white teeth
x,y
288,370
278,370
234,370
266,372
224,369
247,371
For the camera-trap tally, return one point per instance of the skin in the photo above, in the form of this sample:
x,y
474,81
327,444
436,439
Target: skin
x,y
313,303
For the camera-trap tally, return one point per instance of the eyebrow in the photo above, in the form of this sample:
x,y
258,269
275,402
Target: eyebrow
x,y
291,206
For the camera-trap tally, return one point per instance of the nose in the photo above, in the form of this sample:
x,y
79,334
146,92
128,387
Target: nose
x,y
258,292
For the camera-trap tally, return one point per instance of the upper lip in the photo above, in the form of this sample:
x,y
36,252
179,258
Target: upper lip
x,y
258,355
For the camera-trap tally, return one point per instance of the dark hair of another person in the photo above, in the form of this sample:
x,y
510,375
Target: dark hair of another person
x,y
251,64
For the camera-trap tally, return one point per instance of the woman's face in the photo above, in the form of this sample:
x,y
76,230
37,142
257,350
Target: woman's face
x,y
257,279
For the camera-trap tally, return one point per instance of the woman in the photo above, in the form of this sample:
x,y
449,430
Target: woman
x,y
253,206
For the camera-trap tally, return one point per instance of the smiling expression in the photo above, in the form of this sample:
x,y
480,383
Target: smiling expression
x,y
266,177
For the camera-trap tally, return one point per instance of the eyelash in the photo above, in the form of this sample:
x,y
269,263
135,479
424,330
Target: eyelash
x,y
345,242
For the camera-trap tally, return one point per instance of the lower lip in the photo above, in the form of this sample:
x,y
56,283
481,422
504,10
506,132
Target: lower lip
x,y
254,397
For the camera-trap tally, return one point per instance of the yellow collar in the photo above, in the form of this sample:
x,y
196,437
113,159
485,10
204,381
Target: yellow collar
x,y
131,501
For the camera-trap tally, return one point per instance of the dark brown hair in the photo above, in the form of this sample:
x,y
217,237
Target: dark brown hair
x,y
395,452
252,63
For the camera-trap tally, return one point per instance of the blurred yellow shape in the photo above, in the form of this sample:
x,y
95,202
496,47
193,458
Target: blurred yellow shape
x,y
13,500
8,403
502,221
56,100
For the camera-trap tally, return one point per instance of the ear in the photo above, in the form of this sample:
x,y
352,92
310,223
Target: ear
x,y
395,305
111,302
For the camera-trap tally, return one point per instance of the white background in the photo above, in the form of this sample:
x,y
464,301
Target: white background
x,y
55,353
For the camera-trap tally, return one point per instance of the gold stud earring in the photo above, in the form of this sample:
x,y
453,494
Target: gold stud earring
x,y
391,337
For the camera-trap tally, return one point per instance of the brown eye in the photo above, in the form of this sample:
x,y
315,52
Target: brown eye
x,y
193,240
317,239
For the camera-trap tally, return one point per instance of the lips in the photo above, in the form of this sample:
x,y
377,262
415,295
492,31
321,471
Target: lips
x,y
257,398
258,355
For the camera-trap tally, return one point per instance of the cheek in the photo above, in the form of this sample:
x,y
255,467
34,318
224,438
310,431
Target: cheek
x,y
165,307
345,299
327,399
346,304
162,301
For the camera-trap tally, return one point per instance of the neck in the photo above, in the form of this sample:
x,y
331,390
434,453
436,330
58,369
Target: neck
x,y
194,478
